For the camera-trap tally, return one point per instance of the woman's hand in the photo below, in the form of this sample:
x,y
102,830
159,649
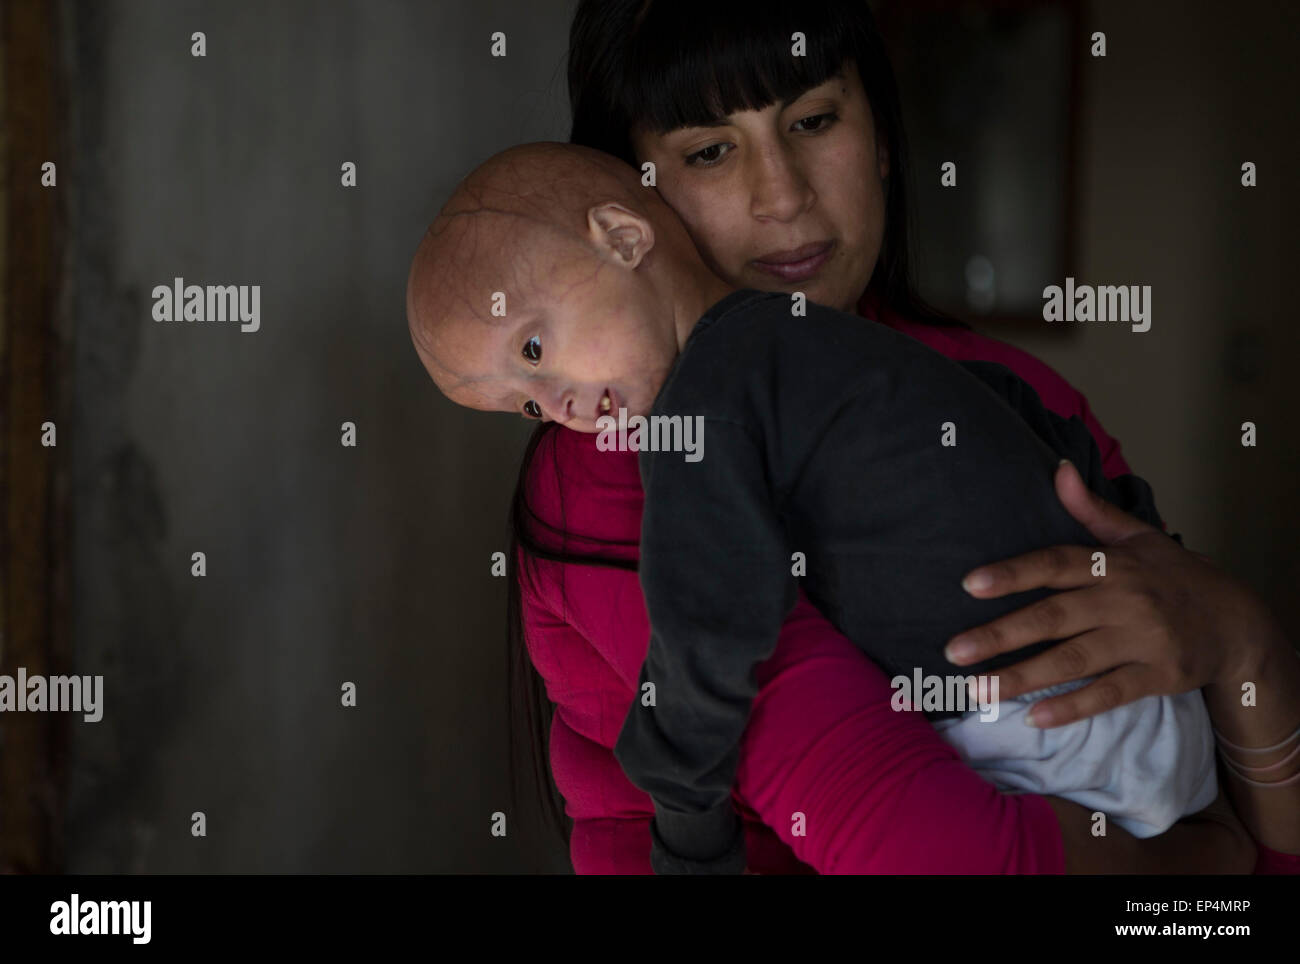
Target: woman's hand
x,y
1163,620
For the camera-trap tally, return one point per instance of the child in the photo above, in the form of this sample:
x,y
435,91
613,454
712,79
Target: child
x,y
826,448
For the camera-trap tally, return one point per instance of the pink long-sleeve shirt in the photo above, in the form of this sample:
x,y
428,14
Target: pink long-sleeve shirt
x,y
830,778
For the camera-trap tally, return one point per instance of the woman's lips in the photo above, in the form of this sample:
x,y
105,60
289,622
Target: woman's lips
x,y
798,264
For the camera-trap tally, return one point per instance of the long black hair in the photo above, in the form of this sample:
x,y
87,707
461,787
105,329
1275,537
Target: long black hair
x,y
660,65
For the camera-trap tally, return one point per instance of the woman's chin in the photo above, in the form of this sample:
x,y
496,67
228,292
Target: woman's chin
x,y
816,289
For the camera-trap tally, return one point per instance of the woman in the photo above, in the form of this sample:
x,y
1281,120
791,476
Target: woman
x,y
789,174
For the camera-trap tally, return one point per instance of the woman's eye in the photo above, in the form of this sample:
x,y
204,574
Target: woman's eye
x,y
532,409
829,118
706,156
533,349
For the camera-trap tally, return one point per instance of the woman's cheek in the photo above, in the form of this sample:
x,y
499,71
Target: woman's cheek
x,y
720,235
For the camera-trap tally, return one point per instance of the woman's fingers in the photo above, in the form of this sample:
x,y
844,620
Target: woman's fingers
x,y
1060,616
1116,688
1057,567
1060,567
1088,654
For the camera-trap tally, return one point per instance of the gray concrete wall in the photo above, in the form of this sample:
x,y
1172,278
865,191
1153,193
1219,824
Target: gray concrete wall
x,y
325,563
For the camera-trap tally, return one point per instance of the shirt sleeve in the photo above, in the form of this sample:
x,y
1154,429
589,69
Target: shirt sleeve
x,y
1069,438
1056,393
1112,459
1276,862
853,787
611,827
717,583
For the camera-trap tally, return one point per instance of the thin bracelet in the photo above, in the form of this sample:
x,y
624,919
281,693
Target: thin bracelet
x,y
1257,783
1246,749
1273,766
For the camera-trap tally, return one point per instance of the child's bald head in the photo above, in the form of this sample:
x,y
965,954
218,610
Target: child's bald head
x,y
507,228
547,245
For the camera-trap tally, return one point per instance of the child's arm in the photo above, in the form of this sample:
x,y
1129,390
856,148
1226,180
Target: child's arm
x,y
1069,438
717,581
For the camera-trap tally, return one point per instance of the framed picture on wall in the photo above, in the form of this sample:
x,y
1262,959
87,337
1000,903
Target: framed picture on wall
x,y
989,91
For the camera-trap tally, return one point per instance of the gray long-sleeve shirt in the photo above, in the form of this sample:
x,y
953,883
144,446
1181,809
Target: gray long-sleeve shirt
x,y
823,435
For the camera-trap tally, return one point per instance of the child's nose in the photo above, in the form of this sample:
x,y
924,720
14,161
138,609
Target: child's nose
x,y
559,406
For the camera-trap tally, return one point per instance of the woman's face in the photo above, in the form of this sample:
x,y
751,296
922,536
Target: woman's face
x,y
788,198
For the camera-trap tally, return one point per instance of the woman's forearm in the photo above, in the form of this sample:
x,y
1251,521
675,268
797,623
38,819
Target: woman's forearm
x,y
1271,814
853,786
1210,842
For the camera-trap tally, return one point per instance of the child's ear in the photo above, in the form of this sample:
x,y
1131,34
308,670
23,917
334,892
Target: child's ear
x,y
622,232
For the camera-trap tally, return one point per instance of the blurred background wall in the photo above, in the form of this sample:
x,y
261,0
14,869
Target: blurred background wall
x,y
372,564
1186,94
325,563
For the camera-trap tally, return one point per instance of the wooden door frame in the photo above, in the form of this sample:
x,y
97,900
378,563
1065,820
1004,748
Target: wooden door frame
x,y
34,544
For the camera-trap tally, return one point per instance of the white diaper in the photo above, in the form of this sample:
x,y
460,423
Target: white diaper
x,y
1144,765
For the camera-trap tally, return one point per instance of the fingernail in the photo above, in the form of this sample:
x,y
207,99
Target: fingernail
x,y
977,581
1039,717
959,648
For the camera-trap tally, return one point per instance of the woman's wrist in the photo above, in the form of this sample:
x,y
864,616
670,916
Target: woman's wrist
x,y
1256,647
1252,701
1254,710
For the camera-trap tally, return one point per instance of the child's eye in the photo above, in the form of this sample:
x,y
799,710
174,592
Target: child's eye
x,y
830,118
533,349
532,409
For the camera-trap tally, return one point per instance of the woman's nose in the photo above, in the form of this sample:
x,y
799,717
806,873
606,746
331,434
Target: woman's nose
x,y
778,187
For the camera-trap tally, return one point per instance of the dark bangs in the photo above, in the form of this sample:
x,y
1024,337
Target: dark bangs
x,y
681,64
691,70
